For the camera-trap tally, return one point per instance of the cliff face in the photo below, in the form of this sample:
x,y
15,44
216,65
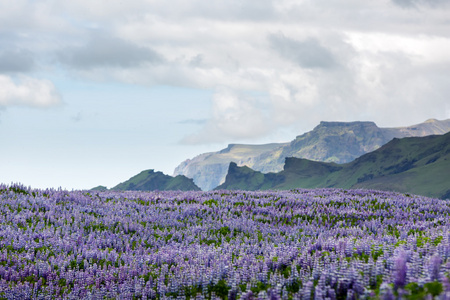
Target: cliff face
x,y
338,142
208,170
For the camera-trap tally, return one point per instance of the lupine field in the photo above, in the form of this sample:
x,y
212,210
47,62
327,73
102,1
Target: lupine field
x,y
298,244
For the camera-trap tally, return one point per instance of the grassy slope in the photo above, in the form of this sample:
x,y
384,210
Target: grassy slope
x,y
430,175
242,177
413,165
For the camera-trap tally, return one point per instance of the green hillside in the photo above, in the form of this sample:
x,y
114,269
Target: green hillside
x,y
419,165
338,142
149,180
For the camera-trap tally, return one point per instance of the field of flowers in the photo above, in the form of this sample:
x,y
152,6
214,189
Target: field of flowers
x,y
299,244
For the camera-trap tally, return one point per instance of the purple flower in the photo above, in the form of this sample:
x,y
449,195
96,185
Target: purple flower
x,y
400,270
434,268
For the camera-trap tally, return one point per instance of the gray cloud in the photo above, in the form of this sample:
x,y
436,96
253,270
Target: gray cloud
x,y
308,53
416,3
196,61
106,51
261,10
16,61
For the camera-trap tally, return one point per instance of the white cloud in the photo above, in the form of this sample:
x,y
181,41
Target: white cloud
x,y
310,60
27,91
234,116
422,49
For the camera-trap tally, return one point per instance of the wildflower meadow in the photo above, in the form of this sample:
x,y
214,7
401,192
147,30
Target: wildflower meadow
x,y
297,244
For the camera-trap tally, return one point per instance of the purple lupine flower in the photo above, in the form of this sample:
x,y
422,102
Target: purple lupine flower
x,y
434,267
400,270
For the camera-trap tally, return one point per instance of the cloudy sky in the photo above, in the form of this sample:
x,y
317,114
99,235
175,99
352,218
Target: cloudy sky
x,y
93,92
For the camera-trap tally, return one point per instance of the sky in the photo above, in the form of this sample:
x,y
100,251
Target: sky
x,y
93,92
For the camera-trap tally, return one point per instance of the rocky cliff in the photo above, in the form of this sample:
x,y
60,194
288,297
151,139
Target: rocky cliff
x,y
208,170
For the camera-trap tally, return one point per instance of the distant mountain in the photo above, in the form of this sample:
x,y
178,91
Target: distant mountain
x,y
99,188
338,142
417,165
209,169
149,180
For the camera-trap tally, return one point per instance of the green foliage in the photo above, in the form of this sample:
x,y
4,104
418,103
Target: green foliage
x,y
31,279
102,262
260,286
92,227
10,248
62,282
392,230
364,257
168,237
208,242
260,236
376,285
422,240
211,202
402,242
285,271
294,287
21,226
437,240
220,289
74,265
376,253
417,292
149,275
191,291
18,190
434,288
44,249
224,230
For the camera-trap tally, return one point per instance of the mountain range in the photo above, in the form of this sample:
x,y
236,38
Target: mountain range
x,y
418,165
333,142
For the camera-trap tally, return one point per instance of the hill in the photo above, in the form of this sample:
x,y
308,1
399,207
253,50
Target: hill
x,y
149,180
99,188
338,142
417,165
